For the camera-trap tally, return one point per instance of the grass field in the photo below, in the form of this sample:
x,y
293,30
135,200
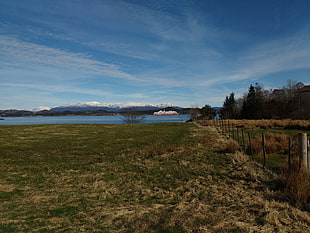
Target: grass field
x,y
169,177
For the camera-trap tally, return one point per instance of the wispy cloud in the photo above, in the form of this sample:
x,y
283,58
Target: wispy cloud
x,y
65,88
144,51
173,37
58,88
17,50
22,53
270,57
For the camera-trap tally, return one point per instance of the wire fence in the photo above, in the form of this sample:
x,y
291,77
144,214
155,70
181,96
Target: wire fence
x,y
270,149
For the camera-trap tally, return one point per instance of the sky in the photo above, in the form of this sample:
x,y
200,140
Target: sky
x,y
181,52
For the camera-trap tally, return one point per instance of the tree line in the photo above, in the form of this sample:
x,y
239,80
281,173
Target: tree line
x,y
258,103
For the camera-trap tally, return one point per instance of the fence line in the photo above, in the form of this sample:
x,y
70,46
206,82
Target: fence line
x,y
228,129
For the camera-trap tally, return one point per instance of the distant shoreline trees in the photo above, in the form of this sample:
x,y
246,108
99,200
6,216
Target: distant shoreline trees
x,y
207,112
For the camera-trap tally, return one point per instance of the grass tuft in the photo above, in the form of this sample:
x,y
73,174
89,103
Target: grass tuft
x,y
231,146
296,182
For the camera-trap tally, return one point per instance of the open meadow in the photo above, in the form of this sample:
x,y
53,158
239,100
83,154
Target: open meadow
x,y
167,177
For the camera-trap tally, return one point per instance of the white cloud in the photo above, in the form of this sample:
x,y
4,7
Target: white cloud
x,y
21,51
58,88
137,51
16,54
275,56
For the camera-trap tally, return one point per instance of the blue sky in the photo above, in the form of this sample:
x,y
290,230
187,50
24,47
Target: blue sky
x,y
187,53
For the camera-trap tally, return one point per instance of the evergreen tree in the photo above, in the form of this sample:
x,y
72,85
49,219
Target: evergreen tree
x,y
253,105
229,107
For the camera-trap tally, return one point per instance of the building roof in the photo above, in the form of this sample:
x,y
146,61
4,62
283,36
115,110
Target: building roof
x,y
304,89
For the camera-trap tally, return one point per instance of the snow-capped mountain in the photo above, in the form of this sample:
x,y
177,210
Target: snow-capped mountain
x,y
41,108
111,107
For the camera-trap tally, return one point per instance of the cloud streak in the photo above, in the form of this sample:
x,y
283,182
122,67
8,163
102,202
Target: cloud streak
x,y
50,89
17,50
267,58
145,50
21,53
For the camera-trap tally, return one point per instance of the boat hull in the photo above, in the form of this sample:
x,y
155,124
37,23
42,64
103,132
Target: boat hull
x,y
166,114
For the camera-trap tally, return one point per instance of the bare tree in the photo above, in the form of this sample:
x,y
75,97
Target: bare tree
x,y
194,113
132,117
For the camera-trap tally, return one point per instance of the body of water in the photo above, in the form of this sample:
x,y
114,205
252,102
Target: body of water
x,y
87,120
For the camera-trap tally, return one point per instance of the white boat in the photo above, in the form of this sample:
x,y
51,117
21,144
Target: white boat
x,y
165,113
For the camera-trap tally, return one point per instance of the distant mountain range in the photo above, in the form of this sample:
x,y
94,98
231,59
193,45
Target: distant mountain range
x,y
94,108
118,108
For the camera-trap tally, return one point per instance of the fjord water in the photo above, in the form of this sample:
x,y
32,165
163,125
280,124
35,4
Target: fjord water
x,y
87,120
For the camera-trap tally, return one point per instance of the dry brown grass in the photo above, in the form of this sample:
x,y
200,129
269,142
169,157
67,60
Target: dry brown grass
x,y
267,124
240,203
274,143
256,146
231,146
262,124
296,181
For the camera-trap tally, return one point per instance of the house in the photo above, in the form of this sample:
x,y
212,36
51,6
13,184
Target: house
x,y
304,93
303,107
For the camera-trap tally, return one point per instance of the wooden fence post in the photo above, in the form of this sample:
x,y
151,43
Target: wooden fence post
x,y
227,127
264,150
243,143
233,133
302,149
289,153
308,153
221,125
238,137
250,144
